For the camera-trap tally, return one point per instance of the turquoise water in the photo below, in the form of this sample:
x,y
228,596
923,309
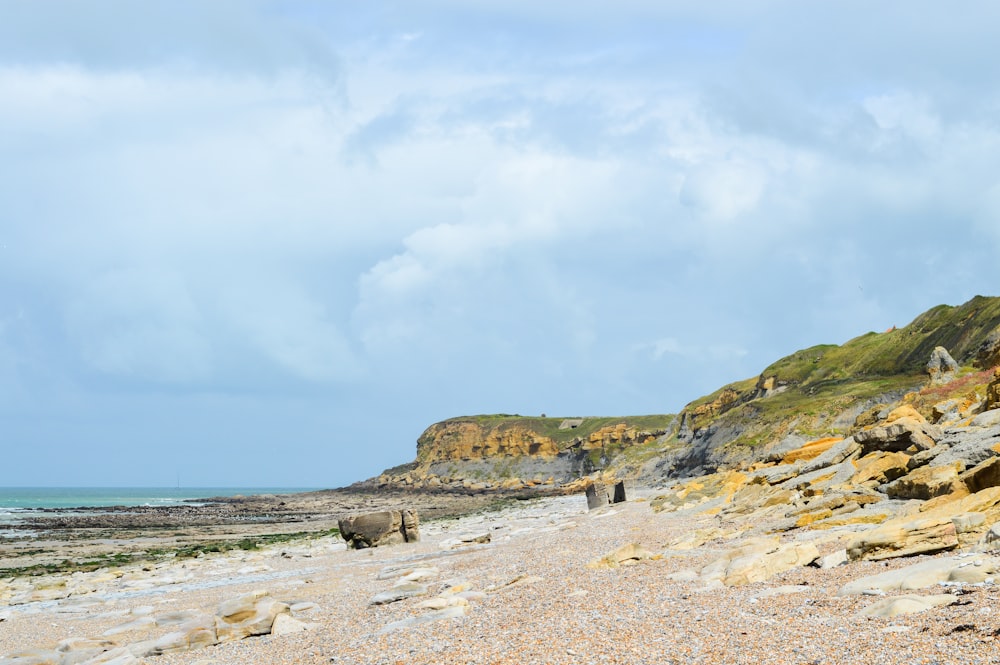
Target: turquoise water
x,y
17,499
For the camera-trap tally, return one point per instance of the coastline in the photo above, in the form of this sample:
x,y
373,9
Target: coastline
x,y
86,538
528,586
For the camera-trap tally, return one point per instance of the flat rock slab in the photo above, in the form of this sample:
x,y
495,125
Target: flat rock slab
x,y
966,570
893,607
399,592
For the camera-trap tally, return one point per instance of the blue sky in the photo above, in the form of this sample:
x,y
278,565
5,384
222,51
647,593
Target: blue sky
x,y
268,243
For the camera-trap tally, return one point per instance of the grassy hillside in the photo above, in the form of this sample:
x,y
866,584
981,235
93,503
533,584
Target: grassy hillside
x,y
812,386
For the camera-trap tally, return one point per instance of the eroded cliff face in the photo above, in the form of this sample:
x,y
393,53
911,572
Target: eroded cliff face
x,y
513,452
469,440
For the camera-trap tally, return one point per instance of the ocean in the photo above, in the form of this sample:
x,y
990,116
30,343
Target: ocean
x,y
16,501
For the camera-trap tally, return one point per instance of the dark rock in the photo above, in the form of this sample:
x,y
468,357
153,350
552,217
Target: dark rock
x,y
388,527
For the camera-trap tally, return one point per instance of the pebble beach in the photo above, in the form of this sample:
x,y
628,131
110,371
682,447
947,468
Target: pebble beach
x,y
522,584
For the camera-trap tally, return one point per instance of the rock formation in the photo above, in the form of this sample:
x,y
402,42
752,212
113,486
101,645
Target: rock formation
x,y
388,527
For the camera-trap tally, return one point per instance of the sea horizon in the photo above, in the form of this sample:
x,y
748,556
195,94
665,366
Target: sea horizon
x,y
22,498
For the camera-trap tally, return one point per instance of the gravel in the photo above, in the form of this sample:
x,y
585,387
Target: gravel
x,y
542,604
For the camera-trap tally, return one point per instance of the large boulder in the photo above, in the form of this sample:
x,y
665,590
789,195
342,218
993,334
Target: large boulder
x,y
941,367
924,575
904,429
927,482
904,537
757,560
983,475
879,467
388,527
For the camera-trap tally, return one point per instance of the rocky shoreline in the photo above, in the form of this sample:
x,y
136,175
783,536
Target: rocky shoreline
x,y
80,538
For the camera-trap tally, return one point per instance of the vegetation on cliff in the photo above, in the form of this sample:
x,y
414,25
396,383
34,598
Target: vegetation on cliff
x,y
816,392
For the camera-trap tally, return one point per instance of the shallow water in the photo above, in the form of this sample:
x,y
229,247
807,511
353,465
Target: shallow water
x,y
15,502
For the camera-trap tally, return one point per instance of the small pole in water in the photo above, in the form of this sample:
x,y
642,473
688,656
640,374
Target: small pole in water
x,y
178,480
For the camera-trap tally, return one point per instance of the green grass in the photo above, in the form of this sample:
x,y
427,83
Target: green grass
x,y
549,427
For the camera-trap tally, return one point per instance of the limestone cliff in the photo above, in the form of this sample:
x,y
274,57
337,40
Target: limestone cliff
x,y
511,451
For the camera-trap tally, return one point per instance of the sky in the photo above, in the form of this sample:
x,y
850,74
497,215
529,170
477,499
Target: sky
x,y
249,243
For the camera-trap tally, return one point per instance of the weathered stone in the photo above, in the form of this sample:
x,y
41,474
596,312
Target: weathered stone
x,y
622,490
988,353
33,657
77,650
388,527
775,475
923,575
453,612
880,467
927,482
904,537
969,522
837,453
118,656
630,553
757,560
834,559
903,429
399,592
971,445
811,450
692,492
983,475
252,614
197,633
286,624
993,391
941,367
892,607
597,495
991,539
466,540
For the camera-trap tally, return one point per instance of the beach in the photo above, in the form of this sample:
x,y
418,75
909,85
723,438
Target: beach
x,y
523,582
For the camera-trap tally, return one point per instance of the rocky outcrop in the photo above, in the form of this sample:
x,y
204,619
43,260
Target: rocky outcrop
x,y
941,367
904,429
388,527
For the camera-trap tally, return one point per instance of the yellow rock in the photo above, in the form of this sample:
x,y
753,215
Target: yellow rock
x,y
933,504
811,450
905,536
808,518
905,411
847,520
631,553
880,467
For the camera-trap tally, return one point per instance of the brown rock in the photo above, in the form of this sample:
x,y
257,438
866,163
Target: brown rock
x,y
904,429
717,485
927,482
904,537
879,468
759,560
983,475
389,527
811,450
631,553
252,614
993,391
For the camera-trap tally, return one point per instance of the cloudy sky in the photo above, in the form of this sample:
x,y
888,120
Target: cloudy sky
x,y
254,243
